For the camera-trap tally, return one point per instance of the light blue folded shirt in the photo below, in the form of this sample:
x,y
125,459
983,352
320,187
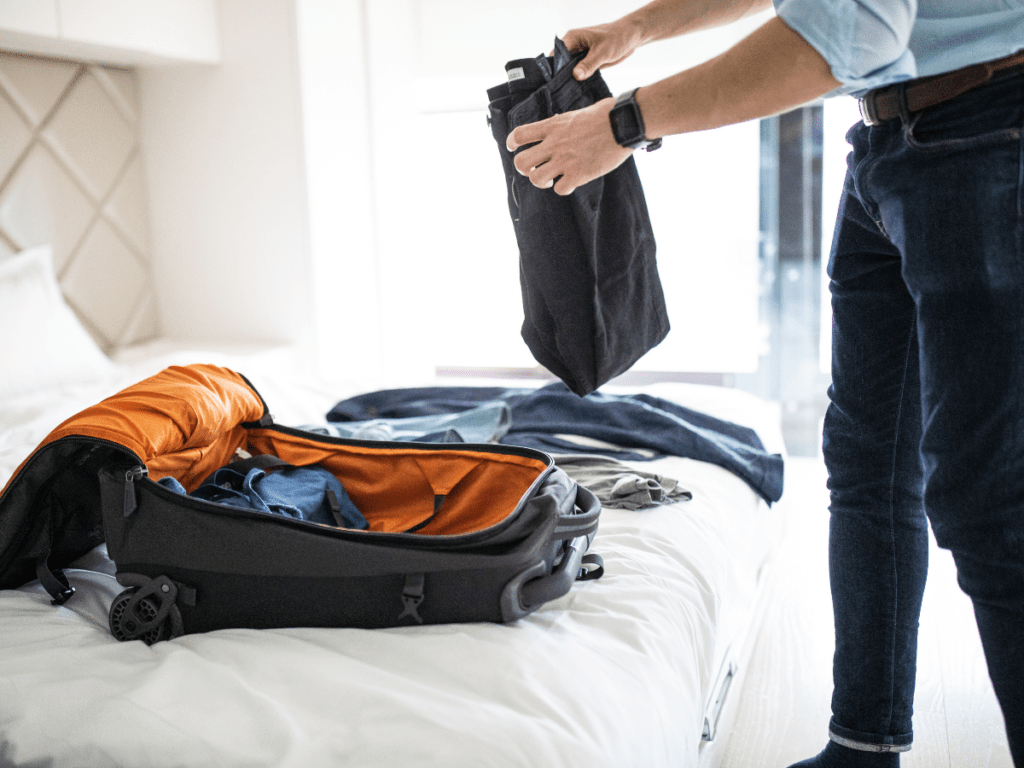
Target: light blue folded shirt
x,y
483,424
873,43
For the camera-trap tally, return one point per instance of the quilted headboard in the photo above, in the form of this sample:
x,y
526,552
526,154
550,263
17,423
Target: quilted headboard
x,y
71,174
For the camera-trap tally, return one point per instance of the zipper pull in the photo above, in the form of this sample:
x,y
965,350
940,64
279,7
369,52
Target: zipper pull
x,y
133,474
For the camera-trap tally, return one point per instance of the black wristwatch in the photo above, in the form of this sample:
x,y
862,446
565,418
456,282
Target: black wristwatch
x,y
628,124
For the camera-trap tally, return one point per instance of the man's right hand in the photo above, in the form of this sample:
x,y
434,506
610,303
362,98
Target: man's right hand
x,y
609,44
606,44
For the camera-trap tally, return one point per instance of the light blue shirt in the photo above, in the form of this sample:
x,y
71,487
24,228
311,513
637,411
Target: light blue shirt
x,y
872,43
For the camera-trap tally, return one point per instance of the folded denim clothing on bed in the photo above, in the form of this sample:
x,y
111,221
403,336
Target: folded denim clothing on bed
x,y
301,493
634,427
592,298
618,485
483,424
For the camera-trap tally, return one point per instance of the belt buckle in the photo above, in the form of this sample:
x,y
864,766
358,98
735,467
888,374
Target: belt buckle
x,y
866,105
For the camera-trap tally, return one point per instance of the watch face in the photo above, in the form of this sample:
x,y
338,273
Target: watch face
x,y
626,124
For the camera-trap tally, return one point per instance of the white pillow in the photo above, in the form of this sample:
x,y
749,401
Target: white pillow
x,y
42,344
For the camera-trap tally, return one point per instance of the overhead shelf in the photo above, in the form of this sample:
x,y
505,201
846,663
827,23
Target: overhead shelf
x,y
120,32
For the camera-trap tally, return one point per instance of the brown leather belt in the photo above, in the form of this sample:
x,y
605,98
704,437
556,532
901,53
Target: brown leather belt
x,y
883,104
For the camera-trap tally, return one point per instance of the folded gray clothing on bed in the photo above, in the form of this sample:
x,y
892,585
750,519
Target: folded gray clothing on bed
x,y
618,485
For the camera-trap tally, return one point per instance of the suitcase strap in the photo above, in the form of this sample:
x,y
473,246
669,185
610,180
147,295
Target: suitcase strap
x,y
54,581
263,461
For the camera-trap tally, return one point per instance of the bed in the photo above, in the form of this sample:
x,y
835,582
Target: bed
x,y
632,669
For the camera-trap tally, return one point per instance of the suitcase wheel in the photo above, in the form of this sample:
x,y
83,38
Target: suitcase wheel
x,y
147,613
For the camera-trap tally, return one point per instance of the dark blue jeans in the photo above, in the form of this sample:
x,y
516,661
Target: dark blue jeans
x,y
926,421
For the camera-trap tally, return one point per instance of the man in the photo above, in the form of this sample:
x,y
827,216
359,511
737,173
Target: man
x,y
927,283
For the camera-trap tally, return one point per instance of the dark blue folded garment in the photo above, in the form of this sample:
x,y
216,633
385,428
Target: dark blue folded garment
x,y
638,427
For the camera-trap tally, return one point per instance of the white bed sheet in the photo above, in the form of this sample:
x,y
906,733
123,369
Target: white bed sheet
x,y
620,672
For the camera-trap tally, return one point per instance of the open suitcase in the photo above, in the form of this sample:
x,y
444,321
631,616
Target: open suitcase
x,y
499,530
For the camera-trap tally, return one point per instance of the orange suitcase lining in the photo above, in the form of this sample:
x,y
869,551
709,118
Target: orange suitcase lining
x,y
186,421
395,488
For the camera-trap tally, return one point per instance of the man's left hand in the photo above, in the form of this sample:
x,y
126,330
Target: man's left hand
x,y
568,149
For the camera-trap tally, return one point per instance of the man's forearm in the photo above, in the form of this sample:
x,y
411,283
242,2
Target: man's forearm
x,y
771,71
662,19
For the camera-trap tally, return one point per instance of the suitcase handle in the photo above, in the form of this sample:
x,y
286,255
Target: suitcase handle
x,y
582,523
532,587
539,591
525,593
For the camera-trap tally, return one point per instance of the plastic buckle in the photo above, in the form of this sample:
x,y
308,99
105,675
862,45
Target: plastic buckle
x,y
411,603
63,595
412,596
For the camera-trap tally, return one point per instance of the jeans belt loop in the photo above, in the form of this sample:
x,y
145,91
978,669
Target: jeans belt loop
x,y
547,106
901,102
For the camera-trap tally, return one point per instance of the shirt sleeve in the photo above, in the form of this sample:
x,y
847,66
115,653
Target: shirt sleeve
x,y
865,42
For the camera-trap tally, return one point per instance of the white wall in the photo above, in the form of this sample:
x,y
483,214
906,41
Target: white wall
x,y
339,174
223,147
316,186
445,245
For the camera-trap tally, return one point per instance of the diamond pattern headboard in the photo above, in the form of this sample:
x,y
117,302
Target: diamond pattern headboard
x,y
71,175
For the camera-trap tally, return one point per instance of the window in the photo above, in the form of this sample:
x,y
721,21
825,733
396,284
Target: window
x,y
446,245
421,247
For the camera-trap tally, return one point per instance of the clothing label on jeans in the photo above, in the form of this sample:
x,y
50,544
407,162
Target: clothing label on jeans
x,y
516,73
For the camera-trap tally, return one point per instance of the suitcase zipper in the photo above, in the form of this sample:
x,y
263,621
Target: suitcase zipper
x,y
378,537
133,474
495,448
404,538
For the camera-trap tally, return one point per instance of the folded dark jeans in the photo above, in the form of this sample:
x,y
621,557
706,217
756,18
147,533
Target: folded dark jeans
x,y
592,299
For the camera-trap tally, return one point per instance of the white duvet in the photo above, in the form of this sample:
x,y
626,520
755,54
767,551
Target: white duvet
x,y
620,672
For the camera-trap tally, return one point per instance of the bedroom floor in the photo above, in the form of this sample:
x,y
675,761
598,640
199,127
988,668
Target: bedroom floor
x,y
782,714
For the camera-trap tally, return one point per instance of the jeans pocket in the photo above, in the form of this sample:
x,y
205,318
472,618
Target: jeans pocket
x,y
927,141
988,115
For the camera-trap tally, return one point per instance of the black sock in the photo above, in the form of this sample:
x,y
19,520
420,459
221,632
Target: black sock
x,y
837,756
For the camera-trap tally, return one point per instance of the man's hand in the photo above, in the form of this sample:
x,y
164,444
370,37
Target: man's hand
x,y
606,44
569,149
